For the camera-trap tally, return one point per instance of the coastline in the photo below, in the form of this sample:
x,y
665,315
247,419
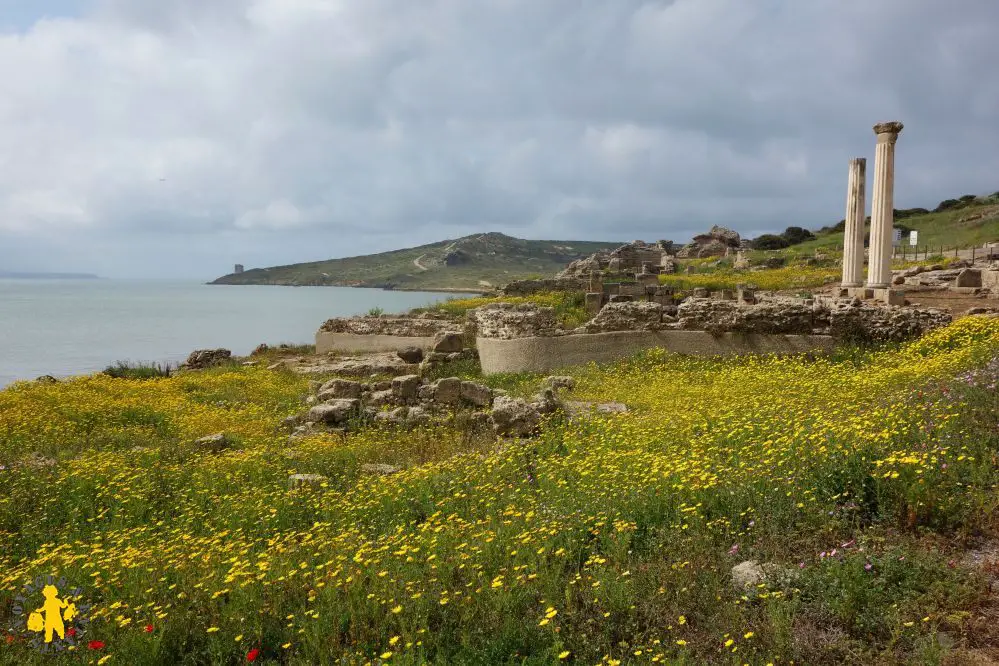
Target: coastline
x,y
431,290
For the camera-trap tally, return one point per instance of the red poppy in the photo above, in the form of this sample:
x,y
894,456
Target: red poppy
x,y
95,645
148,629
9,639
71,631
253,654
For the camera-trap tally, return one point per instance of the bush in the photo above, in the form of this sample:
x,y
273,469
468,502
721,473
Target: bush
x,y
127,370
947,204
795,235
770,242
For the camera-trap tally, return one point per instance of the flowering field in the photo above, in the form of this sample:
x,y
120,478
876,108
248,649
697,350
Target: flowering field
x,y
860,480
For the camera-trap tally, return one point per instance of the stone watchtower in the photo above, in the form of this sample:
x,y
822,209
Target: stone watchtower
x,y
238,269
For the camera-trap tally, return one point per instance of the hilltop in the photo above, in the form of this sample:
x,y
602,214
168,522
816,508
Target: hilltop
x,y
470,263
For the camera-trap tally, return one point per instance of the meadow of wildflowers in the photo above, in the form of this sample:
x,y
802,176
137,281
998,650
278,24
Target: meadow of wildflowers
x,y
609,539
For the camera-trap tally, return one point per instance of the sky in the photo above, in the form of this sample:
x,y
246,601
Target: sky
x,y
143,138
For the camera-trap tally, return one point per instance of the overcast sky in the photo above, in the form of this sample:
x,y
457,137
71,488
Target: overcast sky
x,y
176,138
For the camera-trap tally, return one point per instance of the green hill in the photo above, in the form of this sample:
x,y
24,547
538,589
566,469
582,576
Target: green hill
x,y
476,262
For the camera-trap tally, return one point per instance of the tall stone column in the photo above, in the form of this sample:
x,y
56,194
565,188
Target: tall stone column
x,y
853,239
882,206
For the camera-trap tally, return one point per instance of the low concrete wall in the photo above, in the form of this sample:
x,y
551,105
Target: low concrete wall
x,y
353,342
541,354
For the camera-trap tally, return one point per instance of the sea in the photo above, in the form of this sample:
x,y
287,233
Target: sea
x,y
64,327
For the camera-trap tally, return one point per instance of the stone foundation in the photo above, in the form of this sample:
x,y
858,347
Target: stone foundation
x,y
355,342
540,354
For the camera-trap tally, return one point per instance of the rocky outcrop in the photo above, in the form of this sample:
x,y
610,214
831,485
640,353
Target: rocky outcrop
x,y
514,417
506,321
206,358
715,243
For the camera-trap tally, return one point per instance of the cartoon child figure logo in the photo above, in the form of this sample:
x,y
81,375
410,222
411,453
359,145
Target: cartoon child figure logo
x,y
59,622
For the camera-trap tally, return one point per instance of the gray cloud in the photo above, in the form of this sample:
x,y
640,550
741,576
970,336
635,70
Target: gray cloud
x,y
177,138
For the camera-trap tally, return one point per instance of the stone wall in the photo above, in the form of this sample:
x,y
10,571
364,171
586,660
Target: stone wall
x,y
374,342
541,354
419,326
506,321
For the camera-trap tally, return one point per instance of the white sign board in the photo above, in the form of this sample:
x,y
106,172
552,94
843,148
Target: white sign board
x,y
896,236
913,237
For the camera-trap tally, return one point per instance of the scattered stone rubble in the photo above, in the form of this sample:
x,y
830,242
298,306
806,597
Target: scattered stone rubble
x,y
507,320
340,405
635,257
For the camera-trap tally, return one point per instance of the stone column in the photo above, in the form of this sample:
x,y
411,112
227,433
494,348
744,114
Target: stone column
x,y
882,206
853,239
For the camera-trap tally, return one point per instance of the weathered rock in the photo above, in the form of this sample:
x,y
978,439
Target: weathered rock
x,y
418,416
772,317
575,407
476,394
47,379
447,390
514,416
380,468
546,402
396,416
365,365
206,358
506,320
213,443
335,412
275,366
339,388
292,422
306,480
411,354
712,248
405,387
747,574
969,278
382,398
634,316
448,342
558,382
260,349
860,321
425,393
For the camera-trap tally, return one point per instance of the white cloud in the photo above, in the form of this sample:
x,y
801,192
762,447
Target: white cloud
x,y
384,123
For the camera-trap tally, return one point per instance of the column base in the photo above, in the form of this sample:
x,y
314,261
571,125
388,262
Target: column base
x,y
878,285
850,285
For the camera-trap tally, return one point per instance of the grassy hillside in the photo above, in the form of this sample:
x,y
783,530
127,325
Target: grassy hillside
x,y
973,224
472,262
862,479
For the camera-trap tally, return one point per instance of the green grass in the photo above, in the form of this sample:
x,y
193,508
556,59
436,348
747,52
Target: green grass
x,y
130,370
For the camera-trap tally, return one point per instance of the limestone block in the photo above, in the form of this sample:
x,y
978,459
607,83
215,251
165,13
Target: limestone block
x,y
476,394
339,388
447,390
213,443
969,277
448,342
410,354
593,302
405,387
514,416
335,411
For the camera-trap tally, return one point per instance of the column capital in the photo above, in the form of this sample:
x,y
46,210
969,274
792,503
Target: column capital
x,y
893,128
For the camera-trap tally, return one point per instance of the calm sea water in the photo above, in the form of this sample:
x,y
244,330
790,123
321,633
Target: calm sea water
x,y
70,327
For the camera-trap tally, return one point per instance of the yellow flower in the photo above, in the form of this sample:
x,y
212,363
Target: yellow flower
x,y
564,655
212,630
386,655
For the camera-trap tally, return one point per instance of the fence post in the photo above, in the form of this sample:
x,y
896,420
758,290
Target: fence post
x,y
972,254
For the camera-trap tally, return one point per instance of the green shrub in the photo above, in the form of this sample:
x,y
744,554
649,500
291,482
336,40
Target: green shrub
x,y
128,370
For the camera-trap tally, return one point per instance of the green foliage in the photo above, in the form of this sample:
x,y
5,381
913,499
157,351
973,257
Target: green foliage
x,y
770,242
376,312
129,370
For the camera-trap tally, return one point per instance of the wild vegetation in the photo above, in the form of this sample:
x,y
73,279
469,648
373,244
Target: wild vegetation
x,y
862,479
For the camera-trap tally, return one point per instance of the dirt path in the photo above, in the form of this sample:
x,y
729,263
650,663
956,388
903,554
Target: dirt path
x,y
416,262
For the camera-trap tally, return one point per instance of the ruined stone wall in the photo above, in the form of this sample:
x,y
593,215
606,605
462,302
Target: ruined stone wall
x,y
541,354
420,326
